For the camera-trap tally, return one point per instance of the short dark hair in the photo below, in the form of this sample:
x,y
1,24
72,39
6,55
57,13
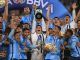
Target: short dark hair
x,y
1,15
39,26
25,29
70,31
58,27
56,17
15,33
68,16
20,25
7,31
28,6
50,28
0,31
78,21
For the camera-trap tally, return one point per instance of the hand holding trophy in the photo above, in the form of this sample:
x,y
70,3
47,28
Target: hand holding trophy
x,y
50,47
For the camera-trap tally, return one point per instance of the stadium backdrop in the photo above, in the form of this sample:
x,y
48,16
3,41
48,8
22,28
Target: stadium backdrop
x,y
57,8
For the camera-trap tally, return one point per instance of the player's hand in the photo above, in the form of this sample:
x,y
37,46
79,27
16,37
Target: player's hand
x,y
26,49
49,7
34,7
65,43
74,6
78,44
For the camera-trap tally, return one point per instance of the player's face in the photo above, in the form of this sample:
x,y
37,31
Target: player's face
x,y
67,19
18,29
53,32
26,26
56,29
38,29
67,34
56,18
38,20
17,36
0,23
26,33
12,15
17,19
0,37
50,31
27,10
78,24
57,22
0,19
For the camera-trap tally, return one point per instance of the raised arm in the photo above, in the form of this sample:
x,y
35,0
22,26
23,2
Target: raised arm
x,y
74,6
75,16
48,20
78,14
48,12
34,21
13,27
10,36
5,14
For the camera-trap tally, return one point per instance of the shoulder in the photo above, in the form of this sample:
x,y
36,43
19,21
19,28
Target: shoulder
x,y
74,38
33,34
49,36
22,17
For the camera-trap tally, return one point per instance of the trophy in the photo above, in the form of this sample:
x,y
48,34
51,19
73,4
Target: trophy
x,y
38,14
50,46
2,3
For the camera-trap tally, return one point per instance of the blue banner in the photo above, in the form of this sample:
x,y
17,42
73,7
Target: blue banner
x,y
57,8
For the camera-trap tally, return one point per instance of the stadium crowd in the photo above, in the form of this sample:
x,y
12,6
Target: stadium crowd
x,y
28,35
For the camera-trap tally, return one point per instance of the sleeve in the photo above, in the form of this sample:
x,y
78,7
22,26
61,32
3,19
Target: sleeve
x,y
32,14
33,25
73,14
22,19
73,43
62,41
29,45
51,26
10,36
47,39
4,26
43,25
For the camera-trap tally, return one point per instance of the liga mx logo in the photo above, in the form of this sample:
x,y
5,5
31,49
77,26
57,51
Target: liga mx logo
x,y
2,3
